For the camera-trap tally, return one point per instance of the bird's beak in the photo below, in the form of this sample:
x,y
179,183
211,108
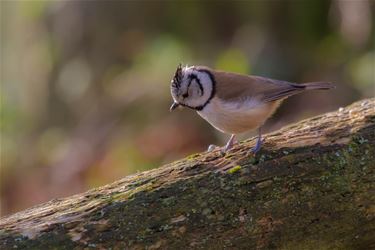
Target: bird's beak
x,y
173,106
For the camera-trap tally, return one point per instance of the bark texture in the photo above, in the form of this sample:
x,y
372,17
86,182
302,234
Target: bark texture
x,y
310,187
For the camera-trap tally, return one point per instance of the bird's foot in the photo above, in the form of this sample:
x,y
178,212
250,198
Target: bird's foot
x,y
212,147
232,141
256,148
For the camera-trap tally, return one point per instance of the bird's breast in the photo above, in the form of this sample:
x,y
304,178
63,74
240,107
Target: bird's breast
x,y
235,117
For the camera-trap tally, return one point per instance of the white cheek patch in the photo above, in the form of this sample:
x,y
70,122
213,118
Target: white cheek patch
x,y
199,94
205,79
207,86
198,91
195,89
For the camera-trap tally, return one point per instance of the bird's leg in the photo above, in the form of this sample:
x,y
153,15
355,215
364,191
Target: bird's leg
x,y
230,143
258,143
227,146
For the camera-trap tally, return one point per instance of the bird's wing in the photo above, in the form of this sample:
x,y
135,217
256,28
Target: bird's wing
x,y
232,86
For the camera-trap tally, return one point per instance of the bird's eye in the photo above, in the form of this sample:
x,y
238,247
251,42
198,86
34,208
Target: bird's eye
x,y
186,95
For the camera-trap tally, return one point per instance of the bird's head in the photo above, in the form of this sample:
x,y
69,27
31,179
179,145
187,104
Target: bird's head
x,y
192,87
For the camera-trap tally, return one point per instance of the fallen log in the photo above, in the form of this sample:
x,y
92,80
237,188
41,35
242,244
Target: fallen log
x,y
310,187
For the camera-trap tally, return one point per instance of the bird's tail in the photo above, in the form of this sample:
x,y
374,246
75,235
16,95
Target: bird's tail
x,y
318,85
294,88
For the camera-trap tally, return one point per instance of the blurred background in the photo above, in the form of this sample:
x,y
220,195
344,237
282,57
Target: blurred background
x,y
85,84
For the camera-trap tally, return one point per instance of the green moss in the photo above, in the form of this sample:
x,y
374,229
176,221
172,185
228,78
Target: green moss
x,y
193,156
234,169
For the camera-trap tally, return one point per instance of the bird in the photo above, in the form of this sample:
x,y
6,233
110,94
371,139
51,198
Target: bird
x,y
233,103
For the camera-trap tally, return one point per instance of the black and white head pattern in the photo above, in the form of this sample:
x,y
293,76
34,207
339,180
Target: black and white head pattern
x,y
192,87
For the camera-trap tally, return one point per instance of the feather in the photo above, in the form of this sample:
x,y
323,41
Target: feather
x,y
232,86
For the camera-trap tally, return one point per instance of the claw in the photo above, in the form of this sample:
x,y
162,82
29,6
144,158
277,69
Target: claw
x,y
258,143
257,146
211,148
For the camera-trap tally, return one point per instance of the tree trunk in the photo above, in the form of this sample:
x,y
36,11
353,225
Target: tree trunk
x,y
310,187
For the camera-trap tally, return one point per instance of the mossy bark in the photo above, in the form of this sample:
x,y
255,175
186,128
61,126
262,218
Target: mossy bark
x,y
310,187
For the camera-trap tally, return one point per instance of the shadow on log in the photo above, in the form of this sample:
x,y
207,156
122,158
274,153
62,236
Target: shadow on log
x,y
310,187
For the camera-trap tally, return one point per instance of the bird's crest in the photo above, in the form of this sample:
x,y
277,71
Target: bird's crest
x,y
176,82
